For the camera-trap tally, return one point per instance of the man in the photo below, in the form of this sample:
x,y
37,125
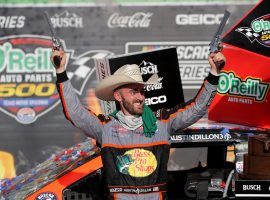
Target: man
x,y
135,142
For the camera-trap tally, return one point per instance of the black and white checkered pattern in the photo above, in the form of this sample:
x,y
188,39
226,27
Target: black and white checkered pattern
x,y
248,32
82,67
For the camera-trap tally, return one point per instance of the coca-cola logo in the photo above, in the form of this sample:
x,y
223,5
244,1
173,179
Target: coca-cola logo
x,y
156,86
137,20
67,19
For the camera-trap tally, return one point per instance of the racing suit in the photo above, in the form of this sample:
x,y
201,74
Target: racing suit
x,y
135,165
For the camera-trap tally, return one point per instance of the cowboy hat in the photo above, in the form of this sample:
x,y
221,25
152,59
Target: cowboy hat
x,y
126,74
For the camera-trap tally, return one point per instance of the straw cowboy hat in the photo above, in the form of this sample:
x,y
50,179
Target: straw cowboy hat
x,y
126,74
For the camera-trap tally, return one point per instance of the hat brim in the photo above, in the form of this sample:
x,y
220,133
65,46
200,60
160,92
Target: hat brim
x,y
106,87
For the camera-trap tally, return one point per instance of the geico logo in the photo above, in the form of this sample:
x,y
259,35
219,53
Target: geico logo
x,y
198,19
151,69
12,21
192,52
155,100
75,22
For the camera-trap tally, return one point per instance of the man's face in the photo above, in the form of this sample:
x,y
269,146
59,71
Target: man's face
x,y
131,98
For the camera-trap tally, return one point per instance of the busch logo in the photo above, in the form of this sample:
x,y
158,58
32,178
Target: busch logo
x,y
252,187
148,68
66,20
27,89
12,21
137,20
251,87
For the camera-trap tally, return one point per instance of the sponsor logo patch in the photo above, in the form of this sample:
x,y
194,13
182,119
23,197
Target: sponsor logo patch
x,y
137,163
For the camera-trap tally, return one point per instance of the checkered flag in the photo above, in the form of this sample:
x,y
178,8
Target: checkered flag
x,y
249,33
82,67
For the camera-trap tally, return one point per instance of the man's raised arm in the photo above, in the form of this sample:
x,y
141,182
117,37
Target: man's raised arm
x,y
74,111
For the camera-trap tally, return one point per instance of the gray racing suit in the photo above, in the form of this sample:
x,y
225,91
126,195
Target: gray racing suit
x,y
135,165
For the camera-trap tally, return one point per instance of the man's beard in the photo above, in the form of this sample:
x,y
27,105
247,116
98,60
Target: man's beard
x,y
131,109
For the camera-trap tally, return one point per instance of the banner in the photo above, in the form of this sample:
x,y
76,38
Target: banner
x,y
244,83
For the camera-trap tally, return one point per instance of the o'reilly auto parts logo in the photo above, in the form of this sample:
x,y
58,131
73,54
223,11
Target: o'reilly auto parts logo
x,y
259,30
137,20
254,88
67,20
27,89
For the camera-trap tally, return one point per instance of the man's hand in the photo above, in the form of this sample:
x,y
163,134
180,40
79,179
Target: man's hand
x,y
214,59
62,56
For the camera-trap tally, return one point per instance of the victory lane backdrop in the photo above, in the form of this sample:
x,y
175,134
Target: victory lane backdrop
x,y
33,126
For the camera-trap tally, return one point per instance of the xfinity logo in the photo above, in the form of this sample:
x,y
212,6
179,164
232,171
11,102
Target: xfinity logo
x,y
137,20
67,20
12,21
198,19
